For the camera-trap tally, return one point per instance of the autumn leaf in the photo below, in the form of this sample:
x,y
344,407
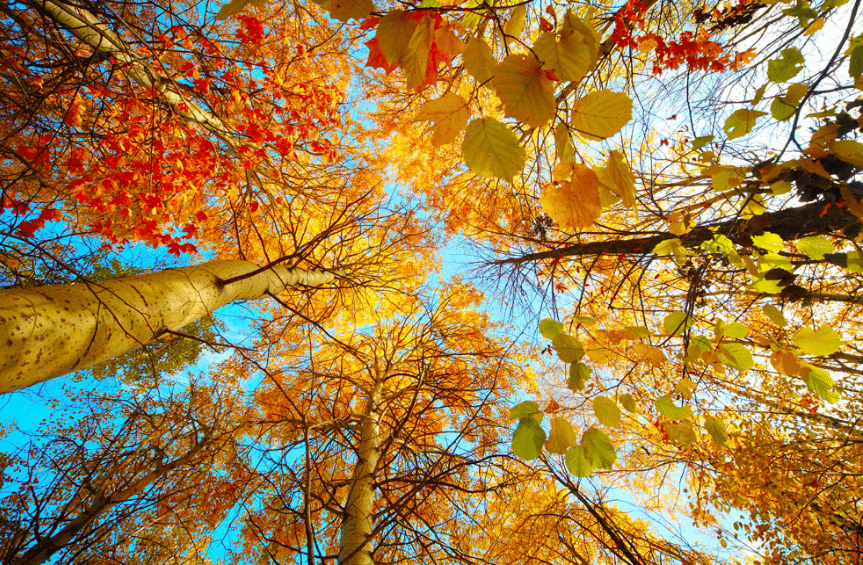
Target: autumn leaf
x,y
528,439
549,328
568,348
393,35
479,61
525,90
449,114
823,341
716,429
786,67
606,411
618,178
569,57
667,408
598,449
415,60
574,202
577,462
562,436
601,114
490,149
741,122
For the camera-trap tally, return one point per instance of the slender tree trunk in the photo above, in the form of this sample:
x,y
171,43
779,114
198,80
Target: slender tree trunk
x,y
355,544
50,331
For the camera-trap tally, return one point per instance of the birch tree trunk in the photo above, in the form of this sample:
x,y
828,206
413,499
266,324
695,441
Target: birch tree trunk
x,y
50,331
355,543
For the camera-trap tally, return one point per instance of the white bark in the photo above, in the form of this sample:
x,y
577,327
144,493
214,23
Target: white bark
x,y
50,331
355,543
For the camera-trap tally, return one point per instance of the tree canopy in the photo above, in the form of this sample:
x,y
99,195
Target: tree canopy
x,y
361,281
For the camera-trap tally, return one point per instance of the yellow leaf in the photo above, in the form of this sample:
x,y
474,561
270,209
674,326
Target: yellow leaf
x,y
617,178
479,61
601,114
575,202
849,151
526,92
490,149
649,353
449,114
415,58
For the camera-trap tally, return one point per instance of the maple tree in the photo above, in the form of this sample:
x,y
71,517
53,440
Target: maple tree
x,y
704,271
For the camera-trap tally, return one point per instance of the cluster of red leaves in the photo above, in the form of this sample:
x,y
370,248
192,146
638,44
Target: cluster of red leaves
x,y
694,49
154,177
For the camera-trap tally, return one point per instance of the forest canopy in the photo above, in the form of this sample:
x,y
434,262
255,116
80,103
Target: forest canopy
x,y
361,281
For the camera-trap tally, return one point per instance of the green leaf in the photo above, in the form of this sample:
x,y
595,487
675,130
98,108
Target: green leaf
x,y
601,114
598,449
824,341
769,241
550,328
741,122
490,149
578,374
584,321
569,58
668,409
449,114
855,64
577,462
815,247
676,323
628,403
701,141
526,409
606,411
734,330
528,439
820,382
394,34
735,356
786,67
562,436
568,348
415,58
525,90
759,94
716,429
783,107
479,60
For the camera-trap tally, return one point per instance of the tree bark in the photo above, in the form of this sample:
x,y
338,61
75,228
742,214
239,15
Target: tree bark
x,y
790,224
50,331
355,543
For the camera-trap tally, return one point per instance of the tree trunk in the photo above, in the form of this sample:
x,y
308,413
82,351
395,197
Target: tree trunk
x,y
50,331
790,224
355,544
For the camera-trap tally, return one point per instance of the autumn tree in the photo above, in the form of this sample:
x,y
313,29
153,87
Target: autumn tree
x,y
380,429
119,473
